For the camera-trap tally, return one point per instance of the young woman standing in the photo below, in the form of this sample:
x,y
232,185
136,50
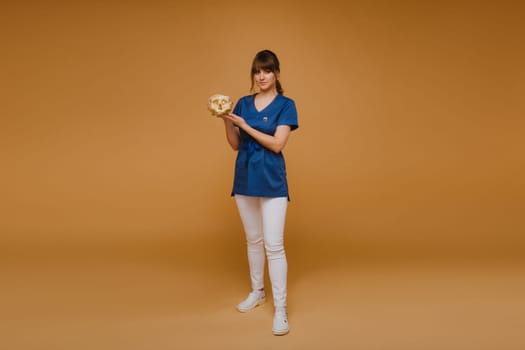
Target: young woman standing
x,y
258,129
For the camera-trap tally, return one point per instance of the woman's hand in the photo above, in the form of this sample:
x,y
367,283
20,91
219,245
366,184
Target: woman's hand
x,y
274,142
235,119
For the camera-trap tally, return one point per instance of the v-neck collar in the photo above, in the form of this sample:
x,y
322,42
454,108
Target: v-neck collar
x,y
265,107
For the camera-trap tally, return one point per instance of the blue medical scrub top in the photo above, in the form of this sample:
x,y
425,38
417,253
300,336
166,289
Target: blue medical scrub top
x,y
259,171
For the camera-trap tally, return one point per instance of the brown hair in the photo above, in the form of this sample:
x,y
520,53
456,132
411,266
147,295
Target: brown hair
x,y
266,60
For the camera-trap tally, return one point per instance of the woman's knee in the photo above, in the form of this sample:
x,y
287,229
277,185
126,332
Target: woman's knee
x,y
274,250
254,239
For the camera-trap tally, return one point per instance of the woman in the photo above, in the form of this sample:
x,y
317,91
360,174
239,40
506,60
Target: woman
x,y
258,129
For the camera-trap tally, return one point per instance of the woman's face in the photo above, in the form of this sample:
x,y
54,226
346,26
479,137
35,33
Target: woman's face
x,y
265,80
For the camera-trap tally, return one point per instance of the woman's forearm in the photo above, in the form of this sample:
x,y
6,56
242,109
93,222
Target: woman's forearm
x,y
275,142
232,134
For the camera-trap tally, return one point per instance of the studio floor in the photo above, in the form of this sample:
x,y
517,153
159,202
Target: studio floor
x,y
123,298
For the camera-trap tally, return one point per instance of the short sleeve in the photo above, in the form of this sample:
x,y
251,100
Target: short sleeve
x,y
238,108
288,115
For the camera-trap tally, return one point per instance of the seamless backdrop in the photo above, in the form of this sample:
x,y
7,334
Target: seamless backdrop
x,y
411,120
405,228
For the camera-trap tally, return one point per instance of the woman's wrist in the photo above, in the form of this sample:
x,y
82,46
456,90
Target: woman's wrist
x,y
228,123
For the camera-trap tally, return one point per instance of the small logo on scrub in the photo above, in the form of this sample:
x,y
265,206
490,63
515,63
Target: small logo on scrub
x,y
265,119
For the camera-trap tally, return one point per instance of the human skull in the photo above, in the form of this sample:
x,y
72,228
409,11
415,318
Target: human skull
x,y
219,104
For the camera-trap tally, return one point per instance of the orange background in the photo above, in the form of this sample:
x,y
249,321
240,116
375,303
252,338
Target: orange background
x,y
410,142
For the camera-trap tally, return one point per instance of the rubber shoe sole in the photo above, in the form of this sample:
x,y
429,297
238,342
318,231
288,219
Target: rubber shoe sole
x,y
281,332
259,302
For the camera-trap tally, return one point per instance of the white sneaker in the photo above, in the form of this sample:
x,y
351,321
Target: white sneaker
x,y
254,298
280,323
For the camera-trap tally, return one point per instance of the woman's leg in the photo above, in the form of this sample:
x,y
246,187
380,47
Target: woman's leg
x,y
250,212
273,217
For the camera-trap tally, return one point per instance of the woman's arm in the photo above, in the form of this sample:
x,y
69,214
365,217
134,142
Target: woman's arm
x,y
275,142
232,134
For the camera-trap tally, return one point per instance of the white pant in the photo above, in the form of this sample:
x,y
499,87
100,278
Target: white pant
x,y
263,220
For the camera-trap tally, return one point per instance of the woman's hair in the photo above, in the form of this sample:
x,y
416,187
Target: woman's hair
x,y
268,61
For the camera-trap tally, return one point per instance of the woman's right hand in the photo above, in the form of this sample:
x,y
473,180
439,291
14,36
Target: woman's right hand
x,y
235,119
